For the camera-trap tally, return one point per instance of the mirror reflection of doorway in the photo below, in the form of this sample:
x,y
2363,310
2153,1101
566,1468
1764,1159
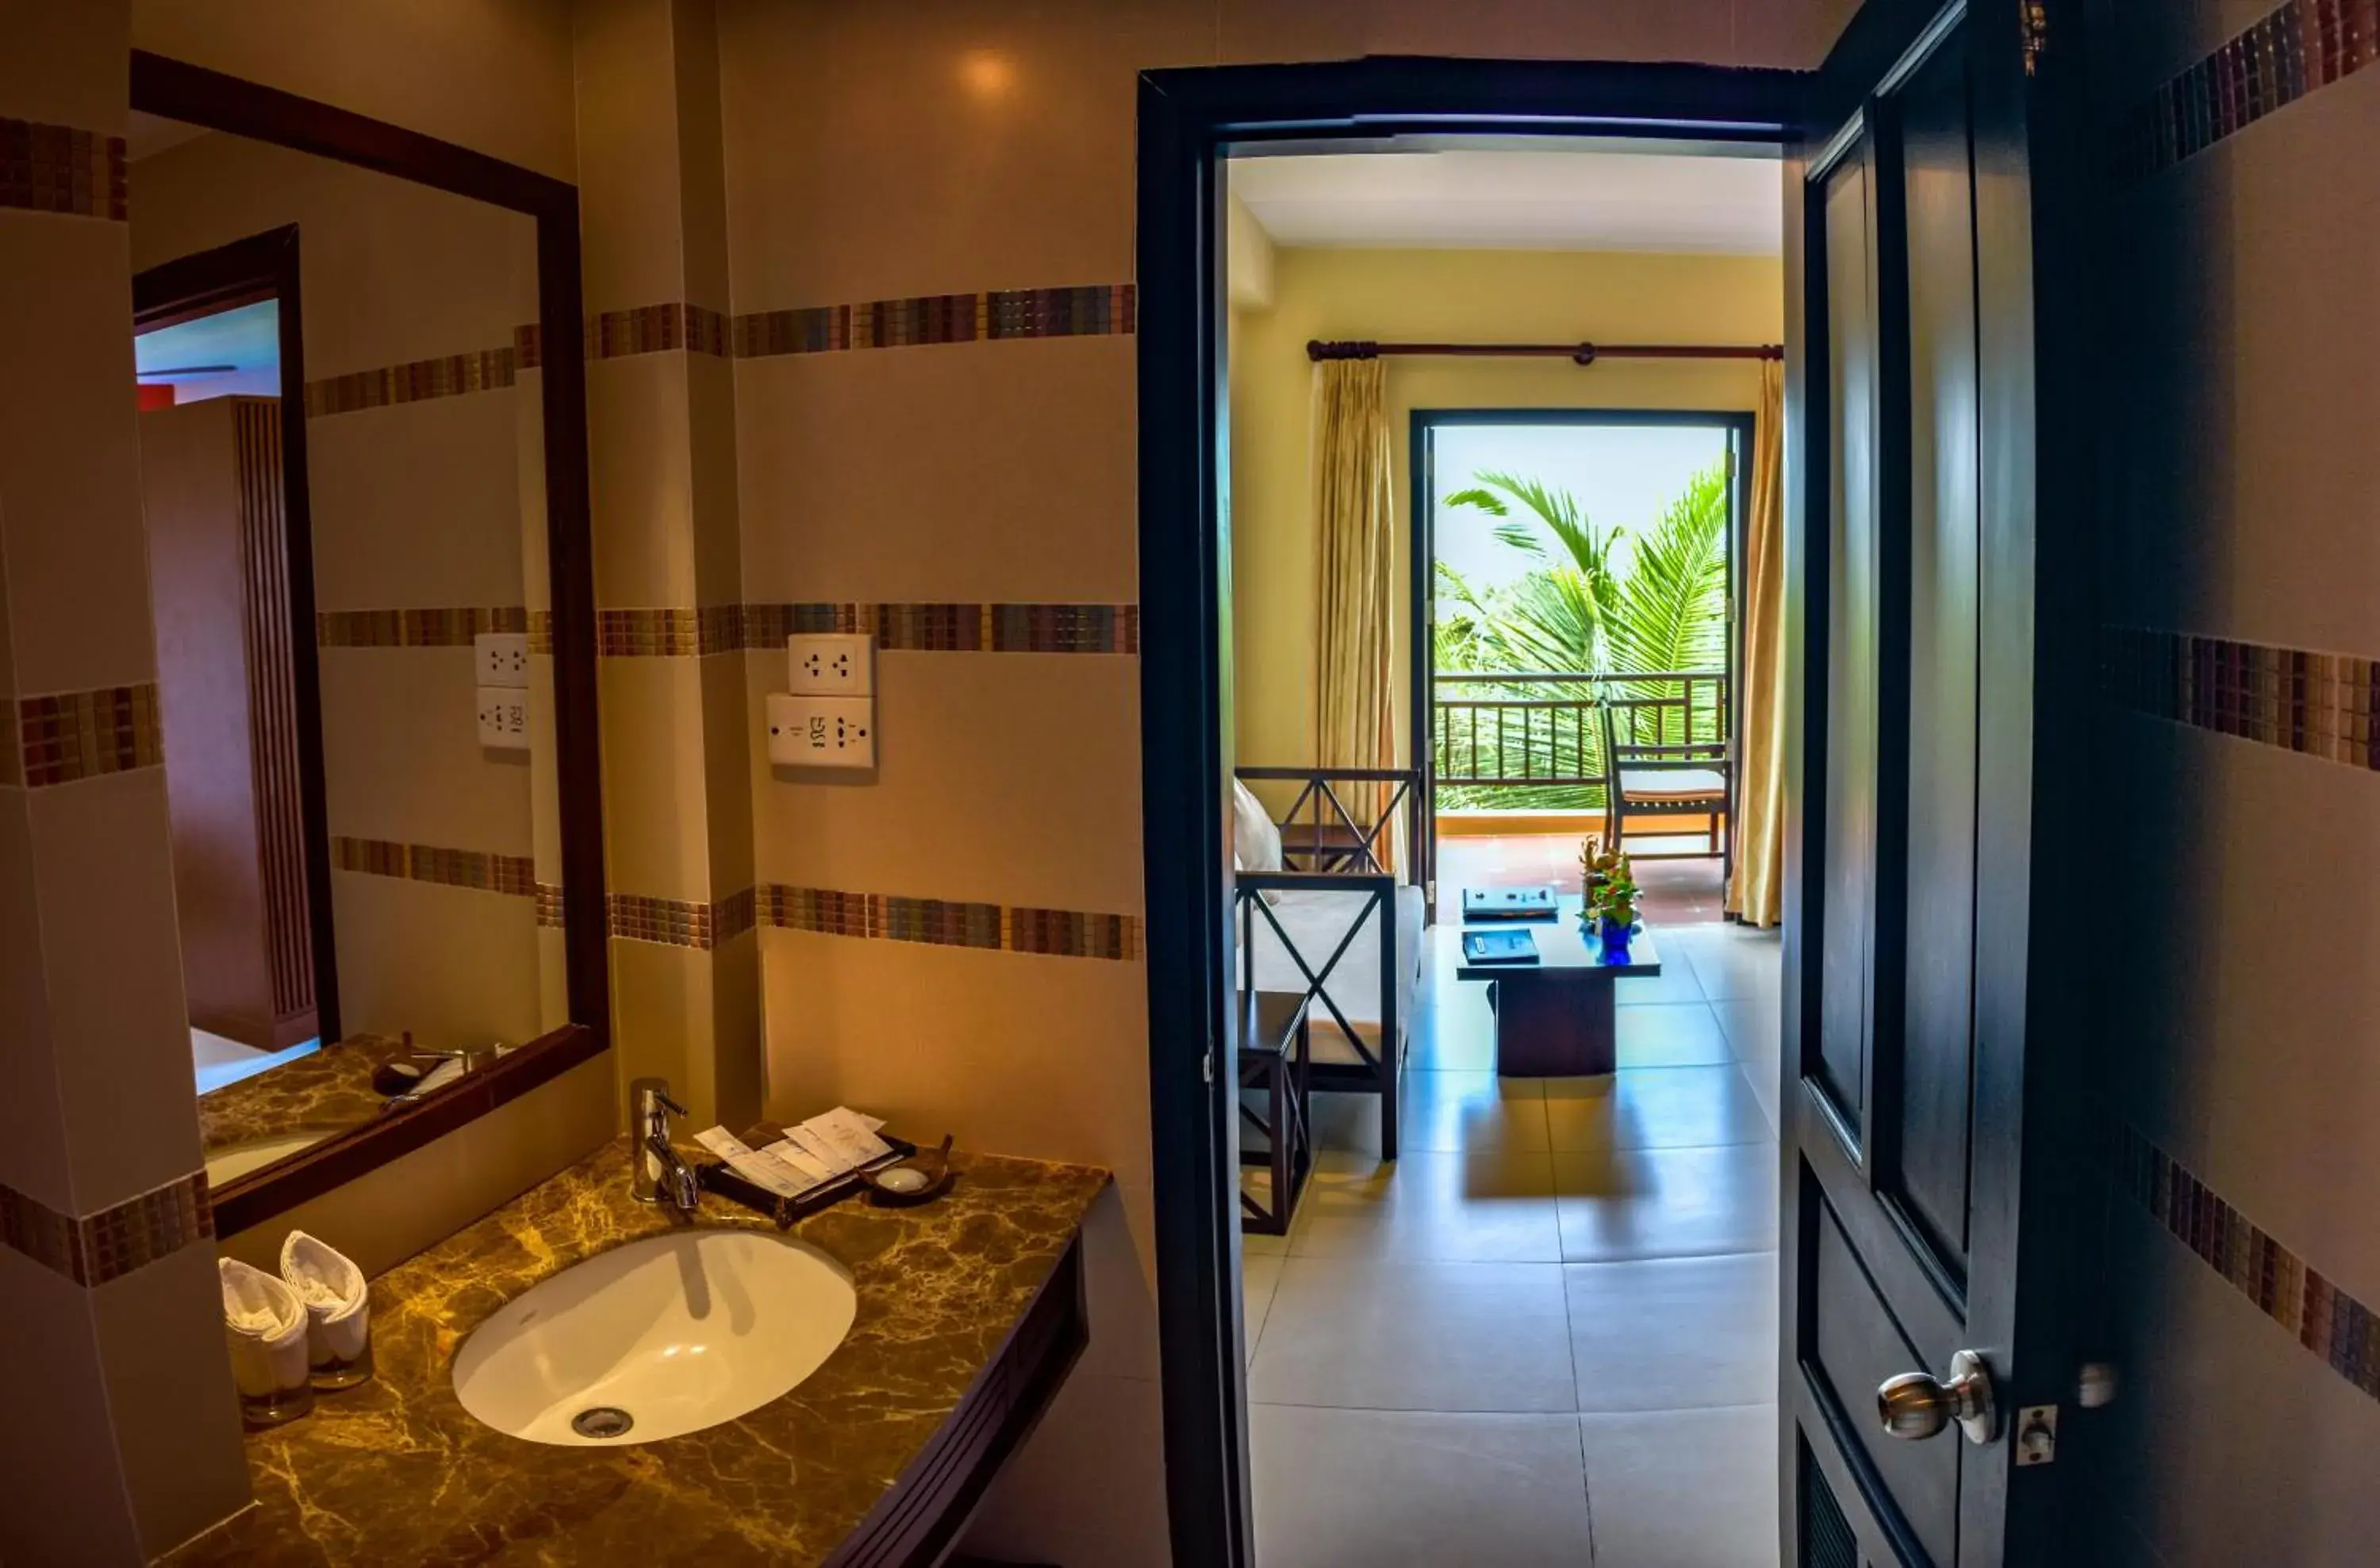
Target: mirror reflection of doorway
x,y
231,604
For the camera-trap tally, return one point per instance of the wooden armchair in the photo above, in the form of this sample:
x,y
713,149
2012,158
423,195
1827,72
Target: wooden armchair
x,y
1681,779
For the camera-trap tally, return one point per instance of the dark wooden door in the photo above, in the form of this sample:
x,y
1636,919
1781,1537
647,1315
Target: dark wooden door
x,y
1924,1262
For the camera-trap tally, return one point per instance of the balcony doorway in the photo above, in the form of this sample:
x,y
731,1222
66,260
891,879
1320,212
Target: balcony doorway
x,y
1575,591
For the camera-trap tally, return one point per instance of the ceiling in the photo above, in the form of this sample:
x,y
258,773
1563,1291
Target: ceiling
x,y
245,340
1469,199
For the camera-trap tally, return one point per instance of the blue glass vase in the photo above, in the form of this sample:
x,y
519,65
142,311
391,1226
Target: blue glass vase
x,y
1614,935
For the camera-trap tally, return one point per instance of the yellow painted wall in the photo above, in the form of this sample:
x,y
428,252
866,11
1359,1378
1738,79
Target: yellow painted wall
x,y
1447,295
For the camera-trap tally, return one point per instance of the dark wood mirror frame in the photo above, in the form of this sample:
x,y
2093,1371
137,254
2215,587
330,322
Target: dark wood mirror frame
x,y
268,264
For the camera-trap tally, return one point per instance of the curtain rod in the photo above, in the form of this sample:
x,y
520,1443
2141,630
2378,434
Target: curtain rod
x,y
1577,353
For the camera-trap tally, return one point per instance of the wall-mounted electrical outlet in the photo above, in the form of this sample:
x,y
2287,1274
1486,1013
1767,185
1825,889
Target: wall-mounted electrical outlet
x,y
821,731
503,718
503,658
831,663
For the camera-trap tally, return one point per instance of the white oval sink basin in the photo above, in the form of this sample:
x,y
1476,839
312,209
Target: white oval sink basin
x,y
662,1336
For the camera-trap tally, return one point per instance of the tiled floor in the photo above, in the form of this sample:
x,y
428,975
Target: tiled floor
x,y
1547,1334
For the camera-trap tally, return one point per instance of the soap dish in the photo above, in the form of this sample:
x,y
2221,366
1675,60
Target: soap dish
x,y
920,1178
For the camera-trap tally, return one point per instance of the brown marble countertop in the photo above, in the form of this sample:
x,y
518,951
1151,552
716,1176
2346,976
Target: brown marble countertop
x,y
327,1091
396,1471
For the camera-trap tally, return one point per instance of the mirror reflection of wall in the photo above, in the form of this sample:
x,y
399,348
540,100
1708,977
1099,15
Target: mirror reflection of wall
x,y
361,775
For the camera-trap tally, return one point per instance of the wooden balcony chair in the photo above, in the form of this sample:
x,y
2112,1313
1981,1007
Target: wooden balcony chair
x,y
1668,779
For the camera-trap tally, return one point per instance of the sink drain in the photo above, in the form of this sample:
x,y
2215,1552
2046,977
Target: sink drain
x,y
601,1421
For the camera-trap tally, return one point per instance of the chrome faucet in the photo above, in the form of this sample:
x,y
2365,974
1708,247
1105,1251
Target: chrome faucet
x,y
661,1173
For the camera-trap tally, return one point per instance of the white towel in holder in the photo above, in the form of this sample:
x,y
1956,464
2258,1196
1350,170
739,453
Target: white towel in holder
x,y
337,1302
266,1325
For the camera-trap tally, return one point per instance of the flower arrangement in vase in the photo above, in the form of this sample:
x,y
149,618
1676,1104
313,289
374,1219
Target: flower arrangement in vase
x,y
1610,907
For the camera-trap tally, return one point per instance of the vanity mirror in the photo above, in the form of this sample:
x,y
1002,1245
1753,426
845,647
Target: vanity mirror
x,y
364,464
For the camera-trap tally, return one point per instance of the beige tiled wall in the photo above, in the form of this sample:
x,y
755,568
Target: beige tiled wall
x,y
2238,993
128,1442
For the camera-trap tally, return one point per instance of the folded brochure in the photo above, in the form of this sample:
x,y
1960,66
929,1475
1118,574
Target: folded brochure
x,y
826,1147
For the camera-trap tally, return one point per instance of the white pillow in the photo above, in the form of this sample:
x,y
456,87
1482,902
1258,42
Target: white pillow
x,y
1256,841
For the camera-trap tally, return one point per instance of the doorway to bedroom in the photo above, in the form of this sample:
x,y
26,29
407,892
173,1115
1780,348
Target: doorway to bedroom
x,y
1486,601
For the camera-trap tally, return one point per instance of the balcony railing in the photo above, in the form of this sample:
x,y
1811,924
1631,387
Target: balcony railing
x,y
1539,731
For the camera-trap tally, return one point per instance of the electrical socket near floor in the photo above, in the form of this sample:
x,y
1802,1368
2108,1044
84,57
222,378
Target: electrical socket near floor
x,y
503,658
807,731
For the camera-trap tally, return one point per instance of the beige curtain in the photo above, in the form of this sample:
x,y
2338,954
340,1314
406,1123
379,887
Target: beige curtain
x,y
1354,515
1755,891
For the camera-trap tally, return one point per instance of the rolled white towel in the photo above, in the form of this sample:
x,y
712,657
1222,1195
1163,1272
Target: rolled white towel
x,y
266,1325
335,1298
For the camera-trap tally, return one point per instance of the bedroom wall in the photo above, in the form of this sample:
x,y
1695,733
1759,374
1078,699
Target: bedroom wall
x,y
2239,1000
1458,296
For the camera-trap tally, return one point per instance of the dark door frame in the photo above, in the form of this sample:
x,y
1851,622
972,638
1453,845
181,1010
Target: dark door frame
x,y
1734,424
246,272
1188,121
179,90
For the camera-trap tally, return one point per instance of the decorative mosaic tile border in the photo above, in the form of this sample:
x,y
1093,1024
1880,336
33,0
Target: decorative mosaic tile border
x,y
2323,705
549,905
1098,310
59,169
667,632
654,329
2303,45
529,346
962,628
2326,1320
81,735
448,376
473,868
114,1242
1067,933
445,626
681,923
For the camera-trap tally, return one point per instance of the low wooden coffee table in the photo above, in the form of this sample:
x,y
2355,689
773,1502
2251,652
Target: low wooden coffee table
x,y
1556,1017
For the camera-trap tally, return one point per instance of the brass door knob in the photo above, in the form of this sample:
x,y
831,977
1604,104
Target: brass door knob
x,y
1915,1405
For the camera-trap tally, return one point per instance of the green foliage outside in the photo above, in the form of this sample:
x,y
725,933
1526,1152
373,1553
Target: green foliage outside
x,y
1574,611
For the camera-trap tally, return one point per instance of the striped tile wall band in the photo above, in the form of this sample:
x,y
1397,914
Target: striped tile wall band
x,y
658,633
2323,705
973,628
1069,933
1099,310
447,376
2303,46
81,735
655,329
59,169
114,1242
681,923
474,869
444,627
2335,1327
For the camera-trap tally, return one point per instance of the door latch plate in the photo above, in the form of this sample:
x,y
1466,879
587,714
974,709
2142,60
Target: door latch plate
x,y
2036,1435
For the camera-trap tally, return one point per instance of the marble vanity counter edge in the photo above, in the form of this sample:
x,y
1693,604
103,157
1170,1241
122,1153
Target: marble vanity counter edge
x,y
396,1471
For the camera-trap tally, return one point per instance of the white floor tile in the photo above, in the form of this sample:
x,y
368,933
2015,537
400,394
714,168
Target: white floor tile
x,y
1683,1488
1667,1202
1370,1488
1674,1334
1259,1277
1417,1336
1444,1112
1654,1107
1670,1034
1487,1206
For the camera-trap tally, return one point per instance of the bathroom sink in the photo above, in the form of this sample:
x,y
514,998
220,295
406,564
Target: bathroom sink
x,y
662,1336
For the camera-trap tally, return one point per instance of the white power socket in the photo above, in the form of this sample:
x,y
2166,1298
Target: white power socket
x,y
503,658
831,663
806,731
503,718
